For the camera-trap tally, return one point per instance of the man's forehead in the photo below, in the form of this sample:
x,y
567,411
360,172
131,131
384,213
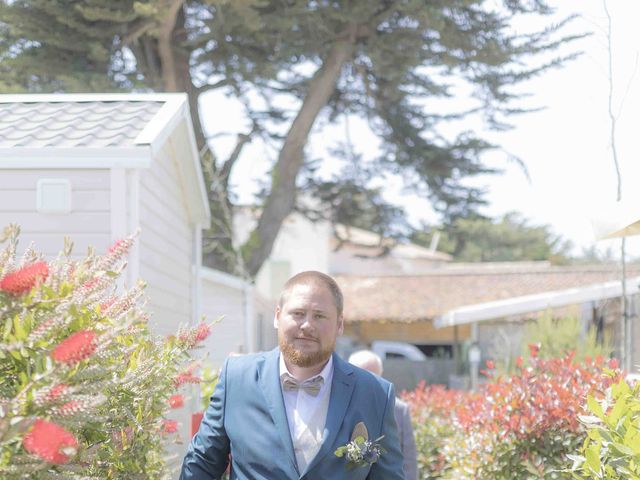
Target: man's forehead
x,y
314,294
310,287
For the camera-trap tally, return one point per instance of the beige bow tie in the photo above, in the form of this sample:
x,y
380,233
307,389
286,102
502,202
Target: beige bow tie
x,y
311,386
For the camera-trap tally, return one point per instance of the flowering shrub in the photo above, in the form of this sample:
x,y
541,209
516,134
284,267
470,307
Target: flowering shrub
x,y
612,447
85,390
522,426
433,414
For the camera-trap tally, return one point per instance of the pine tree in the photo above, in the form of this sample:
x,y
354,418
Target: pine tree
x,y
383,60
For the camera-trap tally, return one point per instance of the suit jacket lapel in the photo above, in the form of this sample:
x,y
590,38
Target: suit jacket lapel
x,y
269,373
341,390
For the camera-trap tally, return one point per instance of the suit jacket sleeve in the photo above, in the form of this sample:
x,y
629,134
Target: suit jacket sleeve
x,y
408,445
389,466
208,454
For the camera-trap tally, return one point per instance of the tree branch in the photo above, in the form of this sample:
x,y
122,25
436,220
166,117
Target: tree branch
x,y
225,171
281,199
136,31
211,86
165,46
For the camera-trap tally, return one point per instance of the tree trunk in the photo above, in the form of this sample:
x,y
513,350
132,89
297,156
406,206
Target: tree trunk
x,y
281,199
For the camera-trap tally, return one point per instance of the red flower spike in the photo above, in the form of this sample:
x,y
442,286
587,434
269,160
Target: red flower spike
x,y
56,391
176,401
50,442
169,426
117,245
534,348
490,364
70,408
613,364
202,331
519,362
186,377
23,280
75,348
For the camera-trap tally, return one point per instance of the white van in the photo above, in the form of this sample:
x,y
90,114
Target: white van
x,y
397,350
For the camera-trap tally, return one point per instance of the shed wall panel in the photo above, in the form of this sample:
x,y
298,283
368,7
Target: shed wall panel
x,y
228,335
166,244
88,223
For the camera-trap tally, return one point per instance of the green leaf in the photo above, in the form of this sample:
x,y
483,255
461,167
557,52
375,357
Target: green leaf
x,y
592,458
19,330
595,407
616,412
8,326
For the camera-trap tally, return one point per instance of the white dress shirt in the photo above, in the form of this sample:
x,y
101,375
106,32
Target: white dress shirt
x,y
307,414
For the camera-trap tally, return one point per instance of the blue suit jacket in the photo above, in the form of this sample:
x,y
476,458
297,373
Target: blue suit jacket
x,y
247,419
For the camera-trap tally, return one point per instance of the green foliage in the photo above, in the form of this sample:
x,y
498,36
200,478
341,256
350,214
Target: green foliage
x,y
562,335
77,358
611,450
511,238
208,385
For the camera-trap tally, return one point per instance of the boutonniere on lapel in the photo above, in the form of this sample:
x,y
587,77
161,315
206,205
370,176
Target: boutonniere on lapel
x,y
360,451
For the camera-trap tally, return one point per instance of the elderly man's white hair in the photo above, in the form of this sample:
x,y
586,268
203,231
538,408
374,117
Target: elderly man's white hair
x,y
367,360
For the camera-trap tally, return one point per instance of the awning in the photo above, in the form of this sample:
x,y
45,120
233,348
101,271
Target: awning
x,y
533,303
621,219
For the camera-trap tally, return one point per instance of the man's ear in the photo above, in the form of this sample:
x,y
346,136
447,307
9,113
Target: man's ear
x,y
276,317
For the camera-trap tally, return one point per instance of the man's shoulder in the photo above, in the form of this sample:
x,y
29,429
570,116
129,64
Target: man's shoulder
x,y
247,361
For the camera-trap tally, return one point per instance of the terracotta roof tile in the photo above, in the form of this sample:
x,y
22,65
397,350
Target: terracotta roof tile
x,y
423,297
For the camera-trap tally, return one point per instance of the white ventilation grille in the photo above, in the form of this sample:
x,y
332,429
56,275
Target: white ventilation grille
x,y
53,195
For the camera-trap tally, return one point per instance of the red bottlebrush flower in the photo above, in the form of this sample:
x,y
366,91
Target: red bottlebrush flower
x,y
169,426
534,348
194,335
75,348
56,391
186,377
50,442
519,362
117,245
613,363
176,401
69,408
490,364
202,331
104,306
24,279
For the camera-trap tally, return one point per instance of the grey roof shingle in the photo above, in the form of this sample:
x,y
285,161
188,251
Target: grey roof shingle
x,y
74,124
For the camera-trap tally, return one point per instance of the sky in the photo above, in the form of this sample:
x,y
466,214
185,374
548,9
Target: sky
x,y
566,146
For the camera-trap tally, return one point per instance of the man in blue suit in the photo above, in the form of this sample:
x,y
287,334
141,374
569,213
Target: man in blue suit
x,y
281,415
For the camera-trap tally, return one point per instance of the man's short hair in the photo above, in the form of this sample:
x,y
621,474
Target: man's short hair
x,y
312,277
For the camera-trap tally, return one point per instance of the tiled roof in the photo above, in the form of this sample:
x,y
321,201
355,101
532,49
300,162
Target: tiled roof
x,y
423,297
74,123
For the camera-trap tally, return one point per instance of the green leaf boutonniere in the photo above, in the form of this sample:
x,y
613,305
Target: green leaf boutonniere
x,y
360,451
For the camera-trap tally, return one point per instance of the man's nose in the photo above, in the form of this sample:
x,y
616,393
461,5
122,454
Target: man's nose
x,y
306,321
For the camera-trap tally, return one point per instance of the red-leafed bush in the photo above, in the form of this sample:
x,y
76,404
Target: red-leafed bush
x,y
515,427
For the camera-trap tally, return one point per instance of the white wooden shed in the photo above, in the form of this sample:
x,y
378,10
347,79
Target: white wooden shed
x,y
97,167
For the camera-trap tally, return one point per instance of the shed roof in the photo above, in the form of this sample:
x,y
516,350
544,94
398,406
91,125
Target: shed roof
x,y
100,131
60,124
423,297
